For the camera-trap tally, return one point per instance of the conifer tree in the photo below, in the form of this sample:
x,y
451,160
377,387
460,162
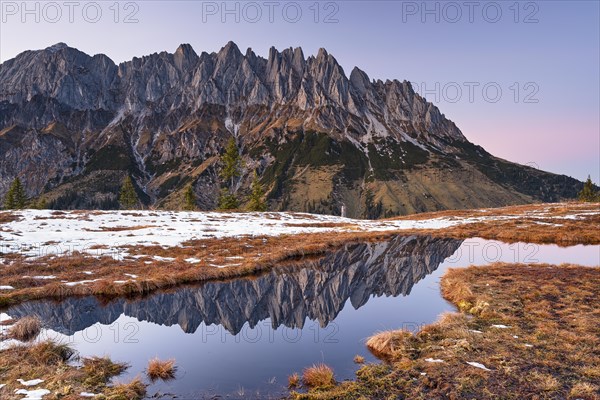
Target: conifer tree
x,y
588,193
257,193
228,201
15,197
189,199
128,197
41,204
232,163
232,169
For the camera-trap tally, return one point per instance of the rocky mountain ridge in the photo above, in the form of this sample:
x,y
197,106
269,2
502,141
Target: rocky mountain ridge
x,y
73,125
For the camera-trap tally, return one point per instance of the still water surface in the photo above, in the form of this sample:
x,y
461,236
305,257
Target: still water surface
x,y
244,337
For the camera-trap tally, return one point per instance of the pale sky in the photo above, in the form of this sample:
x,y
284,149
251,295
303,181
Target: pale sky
x,y
542,56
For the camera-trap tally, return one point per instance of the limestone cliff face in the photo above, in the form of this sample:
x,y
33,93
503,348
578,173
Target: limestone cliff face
x,y
72,125
315,290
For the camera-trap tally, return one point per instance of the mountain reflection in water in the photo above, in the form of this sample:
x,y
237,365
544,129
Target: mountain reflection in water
x,y
313,289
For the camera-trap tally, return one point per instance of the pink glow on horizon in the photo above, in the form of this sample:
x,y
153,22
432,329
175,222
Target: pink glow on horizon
x,y
560,145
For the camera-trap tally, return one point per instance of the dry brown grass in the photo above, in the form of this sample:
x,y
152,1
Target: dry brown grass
x,y
158,369
319,376
566,233
536,223
99,371
549,209
392,345
25,329
548,351
293,381
586,391
544,382
134,390
7,216
50,361
358,359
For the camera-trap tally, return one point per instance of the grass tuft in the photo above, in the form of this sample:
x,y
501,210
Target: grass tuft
x,y
545,382
50,353
26,329
293,381
158,369
319,376
393,344
134,390
584,391
99,371
359,359
51,361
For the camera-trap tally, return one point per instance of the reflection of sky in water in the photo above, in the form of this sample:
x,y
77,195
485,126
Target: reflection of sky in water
x,y
212,360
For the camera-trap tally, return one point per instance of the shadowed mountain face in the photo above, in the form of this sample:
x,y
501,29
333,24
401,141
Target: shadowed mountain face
x,y
72,126
317,290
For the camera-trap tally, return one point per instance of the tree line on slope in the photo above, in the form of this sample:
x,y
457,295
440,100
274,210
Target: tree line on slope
x,y
16,198
229,199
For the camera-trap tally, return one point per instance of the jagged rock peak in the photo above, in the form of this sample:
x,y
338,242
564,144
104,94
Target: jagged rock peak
x,y
185,56
230,49
57,47
186,49
360,80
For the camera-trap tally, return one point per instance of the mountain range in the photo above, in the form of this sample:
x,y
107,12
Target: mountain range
x,y
72,126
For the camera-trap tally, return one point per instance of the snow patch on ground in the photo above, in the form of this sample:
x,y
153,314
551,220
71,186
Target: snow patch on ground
x,y
159,258
37,394
224,265
434,360
478,365
32,382
41,277
109,233
81,282
5,344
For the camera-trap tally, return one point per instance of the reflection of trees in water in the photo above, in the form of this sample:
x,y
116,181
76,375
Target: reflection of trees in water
x,y
316,289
